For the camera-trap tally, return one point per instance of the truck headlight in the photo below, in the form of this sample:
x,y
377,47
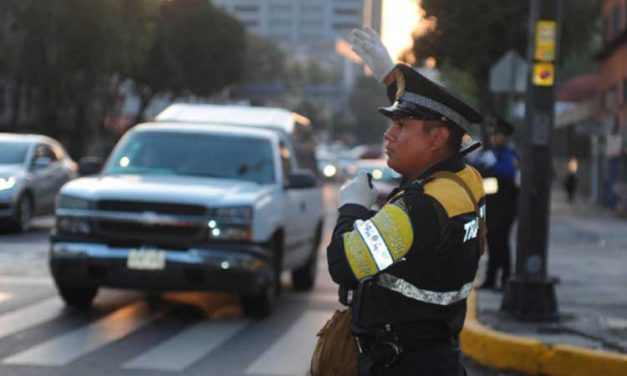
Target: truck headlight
x,y
68,202
230,223
234,214
7,182
73,225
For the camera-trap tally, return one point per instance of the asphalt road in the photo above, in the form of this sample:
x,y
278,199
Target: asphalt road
x,y
129,333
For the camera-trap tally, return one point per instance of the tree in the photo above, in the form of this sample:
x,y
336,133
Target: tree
x,y
264,61
197,48
62,53
472,35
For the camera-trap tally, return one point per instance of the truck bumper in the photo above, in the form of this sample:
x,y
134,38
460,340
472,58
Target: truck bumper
x,y
233,268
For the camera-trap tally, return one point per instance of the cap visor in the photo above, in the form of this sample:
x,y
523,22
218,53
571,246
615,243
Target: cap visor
x,y
393,112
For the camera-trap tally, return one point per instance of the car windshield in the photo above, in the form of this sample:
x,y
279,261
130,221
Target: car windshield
x,y
194,154
381,174
13,152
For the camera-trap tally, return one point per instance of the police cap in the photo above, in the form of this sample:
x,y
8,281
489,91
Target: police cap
x,y
420,98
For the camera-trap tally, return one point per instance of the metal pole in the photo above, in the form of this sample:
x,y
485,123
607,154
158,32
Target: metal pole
x,y
530,294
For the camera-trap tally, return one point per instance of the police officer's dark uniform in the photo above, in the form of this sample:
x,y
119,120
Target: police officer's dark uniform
x,y
408,268
501,205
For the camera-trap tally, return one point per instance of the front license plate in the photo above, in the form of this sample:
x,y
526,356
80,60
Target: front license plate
x,y
146,259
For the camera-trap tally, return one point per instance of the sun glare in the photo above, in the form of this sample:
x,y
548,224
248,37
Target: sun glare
x,y
400,18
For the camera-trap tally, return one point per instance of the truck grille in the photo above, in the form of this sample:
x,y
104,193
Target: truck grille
x,y
155,234
157,207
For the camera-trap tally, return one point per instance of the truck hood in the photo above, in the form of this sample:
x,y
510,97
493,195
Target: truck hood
x,y
211,192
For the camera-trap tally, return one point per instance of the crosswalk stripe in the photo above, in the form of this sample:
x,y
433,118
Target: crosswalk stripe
x,y
15,321
26,281
185,348
68,347
4,296
290,355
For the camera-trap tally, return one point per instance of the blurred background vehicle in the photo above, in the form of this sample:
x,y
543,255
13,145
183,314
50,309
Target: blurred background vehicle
x,y
32,170
384,178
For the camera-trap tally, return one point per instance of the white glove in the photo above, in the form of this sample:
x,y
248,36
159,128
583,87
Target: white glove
x,y
488,159
368,46
357,191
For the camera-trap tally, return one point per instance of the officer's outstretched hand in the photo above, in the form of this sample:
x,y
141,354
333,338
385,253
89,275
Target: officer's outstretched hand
x,y
358,191
367,44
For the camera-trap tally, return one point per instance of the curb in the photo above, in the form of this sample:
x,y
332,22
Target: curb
x,y
506,351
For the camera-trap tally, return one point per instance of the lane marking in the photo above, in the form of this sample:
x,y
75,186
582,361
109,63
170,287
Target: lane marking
x,y
187,347
61,350
26,281
21,319
290,355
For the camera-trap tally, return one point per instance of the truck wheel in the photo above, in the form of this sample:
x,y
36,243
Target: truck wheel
x,y
23,214
304,278
260,305
77,297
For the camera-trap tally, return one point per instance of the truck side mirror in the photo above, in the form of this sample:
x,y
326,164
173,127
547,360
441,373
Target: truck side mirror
x,y
301,179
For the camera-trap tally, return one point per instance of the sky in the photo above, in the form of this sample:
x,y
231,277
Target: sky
x,y
400,19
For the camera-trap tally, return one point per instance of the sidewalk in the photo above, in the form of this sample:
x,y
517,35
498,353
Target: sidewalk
x,y
588,255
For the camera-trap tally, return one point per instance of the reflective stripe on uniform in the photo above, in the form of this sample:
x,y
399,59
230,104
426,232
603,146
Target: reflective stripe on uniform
x,y
377,243
427,296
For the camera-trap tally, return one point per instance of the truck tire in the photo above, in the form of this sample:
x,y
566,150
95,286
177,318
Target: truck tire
x,y
304,278
260,304
79,297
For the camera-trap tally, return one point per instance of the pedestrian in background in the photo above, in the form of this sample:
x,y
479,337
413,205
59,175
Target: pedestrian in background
x,y
571,181
408,268
499,166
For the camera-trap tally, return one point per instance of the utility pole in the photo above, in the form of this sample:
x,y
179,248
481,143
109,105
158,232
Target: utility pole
x,y
530,294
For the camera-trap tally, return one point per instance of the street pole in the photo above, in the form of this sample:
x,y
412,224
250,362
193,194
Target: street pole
x,y
530,294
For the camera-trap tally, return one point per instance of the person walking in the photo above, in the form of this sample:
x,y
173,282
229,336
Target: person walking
x,y
500,163
407,269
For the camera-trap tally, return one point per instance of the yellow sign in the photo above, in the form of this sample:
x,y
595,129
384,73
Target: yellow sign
x,y
546,35
543,74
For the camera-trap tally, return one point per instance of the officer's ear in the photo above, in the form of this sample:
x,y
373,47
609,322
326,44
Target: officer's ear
x,y
439,137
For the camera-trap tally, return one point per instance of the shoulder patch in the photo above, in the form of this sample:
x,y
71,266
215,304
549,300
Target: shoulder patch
x,y
451,196
379,242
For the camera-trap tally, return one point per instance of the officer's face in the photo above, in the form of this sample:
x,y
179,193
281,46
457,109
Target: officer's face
x,y
410,145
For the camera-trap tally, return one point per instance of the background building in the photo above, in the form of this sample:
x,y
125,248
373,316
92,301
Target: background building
x,y
308,29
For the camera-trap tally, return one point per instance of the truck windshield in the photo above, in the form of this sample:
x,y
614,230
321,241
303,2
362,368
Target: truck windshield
x,y
13,152
194,154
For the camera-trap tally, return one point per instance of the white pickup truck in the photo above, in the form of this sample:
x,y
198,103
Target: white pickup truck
x,y
189,206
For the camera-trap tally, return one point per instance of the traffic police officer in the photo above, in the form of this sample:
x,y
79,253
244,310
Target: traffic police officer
x,y
408,268
500,163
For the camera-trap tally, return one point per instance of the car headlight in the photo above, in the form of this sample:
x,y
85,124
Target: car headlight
x,y
231,223
7,182
68,202
329,171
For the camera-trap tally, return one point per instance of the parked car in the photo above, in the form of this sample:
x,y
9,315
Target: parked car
x,y
384,178
182,206
32,170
